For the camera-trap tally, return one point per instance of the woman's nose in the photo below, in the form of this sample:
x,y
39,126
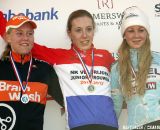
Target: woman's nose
x,y
84,34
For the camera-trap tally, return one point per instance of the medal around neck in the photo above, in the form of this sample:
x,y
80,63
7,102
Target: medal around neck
x,y
25,99
89,74
91,88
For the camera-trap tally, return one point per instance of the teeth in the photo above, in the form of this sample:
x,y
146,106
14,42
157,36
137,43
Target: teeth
x,y
85,41
24,44
136,41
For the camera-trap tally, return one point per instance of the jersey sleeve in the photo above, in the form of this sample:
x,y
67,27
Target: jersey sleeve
x,y
54,89
44,53
110,60
3,44
3,22
115,90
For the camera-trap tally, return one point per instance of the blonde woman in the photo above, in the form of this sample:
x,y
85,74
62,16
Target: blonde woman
x,y
24,80
138,79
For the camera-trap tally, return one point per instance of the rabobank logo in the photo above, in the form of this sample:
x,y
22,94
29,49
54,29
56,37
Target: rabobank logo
x,y
51,14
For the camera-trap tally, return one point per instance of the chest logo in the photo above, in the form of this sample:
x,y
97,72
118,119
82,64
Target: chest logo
x,y
7,117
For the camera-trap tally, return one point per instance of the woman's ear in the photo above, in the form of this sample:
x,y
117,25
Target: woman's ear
x,y
69,33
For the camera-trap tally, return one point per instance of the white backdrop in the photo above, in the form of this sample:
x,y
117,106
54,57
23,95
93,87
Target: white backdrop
x,y
51,30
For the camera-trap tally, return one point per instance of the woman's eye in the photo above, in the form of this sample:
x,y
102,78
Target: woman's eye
x,y
19,33
89,29
130,31
30,33
78,30
142,30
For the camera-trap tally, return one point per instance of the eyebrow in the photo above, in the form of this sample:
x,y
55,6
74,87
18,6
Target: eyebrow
x,y
22,30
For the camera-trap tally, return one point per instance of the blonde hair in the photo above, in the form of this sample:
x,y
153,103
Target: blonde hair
x,y
8,47
144,62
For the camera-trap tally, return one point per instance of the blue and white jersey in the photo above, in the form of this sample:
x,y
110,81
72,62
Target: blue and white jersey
x,y
86,101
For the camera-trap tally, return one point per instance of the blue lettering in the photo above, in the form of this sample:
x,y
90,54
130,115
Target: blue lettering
x,y
37,16
54,14
29,14
10,14
45,14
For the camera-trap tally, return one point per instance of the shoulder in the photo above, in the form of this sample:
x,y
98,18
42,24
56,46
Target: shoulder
x,y
41,63
155,53
105,53
114,66
156,57
115,74
5,59
5,66
43,67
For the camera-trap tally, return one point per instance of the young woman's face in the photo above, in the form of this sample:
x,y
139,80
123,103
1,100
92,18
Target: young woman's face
x,y
21,39
82,32
135,36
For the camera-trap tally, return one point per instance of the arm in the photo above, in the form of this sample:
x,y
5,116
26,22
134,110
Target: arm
x,y
3,22
115,90
2,32
54,87
112,60
109,59
44,53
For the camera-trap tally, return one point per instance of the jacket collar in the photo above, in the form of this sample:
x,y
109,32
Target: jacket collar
x,y
18,58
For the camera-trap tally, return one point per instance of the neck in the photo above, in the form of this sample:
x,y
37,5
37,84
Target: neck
x,y
22,58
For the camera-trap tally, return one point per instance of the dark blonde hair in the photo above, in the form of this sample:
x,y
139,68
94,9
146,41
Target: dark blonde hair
x,y
144,62
8,47
77,14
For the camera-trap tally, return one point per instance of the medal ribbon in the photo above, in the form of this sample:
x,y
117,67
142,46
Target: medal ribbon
x,y
133,71
24,87
89,74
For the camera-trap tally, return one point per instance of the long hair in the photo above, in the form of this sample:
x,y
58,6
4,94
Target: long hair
x,y
6,52
144,62
8,47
